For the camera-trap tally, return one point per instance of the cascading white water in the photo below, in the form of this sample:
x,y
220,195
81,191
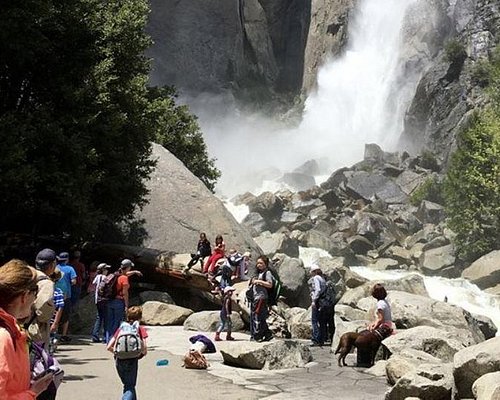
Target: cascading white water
x,y
355,100
459,292
361,98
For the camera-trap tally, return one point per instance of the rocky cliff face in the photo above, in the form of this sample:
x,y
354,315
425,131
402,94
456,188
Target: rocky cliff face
x,y
248,46
447,93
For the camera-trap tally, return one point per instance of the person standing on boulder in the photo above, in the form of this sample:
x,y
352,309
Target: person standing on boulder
x,y
260,309
318,320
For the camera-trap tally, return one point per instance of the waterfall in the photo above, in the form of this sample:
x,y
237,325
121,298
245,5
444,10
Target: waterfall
x,y
361,97
356,101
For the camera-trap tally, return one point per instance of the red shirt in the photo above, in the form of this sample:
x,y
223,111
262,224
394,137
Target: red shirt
x,y
121,282
80,271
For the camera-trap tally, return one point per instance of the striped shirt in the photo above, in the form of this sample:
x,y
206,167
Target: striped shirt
x,y
58,302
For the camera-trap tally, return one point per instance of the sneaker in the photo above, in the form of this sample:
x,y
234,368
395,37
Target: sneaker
x,y
96,340
315,344
65,339
230,338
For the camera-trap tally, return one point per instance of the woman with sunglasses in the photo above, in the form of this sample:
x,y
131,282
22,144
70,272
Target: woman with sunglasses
x,y
18,290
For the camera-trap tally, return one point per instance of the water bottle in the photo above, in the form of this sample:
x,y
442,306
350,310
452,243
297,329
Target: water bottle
x,y
162,363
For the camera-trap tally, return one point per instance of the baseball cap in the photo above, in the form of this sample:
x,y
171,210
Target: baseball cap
x,y
44,257
228,289
102,266
314,268
127,263
64,256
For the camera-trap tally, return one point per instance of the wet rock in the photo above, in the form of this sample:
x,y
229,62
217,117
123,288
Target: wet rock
x,y
368,186
331,199
317,239
255,223
268,205
359,244
298,181
439,261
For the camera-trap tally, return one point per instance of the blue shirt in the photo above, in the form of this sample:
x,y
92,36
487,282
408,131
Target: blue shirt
x,y
65,282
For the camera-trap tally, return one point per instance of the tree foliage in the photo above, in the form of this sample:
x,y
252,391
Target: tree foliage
x,y
77,118
178,131
472,185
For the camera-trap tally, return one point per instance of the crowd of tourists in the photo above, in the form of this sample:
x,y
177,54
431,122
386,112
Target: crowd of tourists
x,y
37,304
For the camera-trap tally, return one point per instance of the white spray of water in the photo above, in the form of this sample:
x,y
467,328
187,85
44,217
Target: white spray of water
x,y
359,99
459,292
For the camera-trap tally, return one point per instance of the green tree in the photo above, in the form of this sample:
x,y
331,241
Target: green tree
x,y
472,184
76,116
179,132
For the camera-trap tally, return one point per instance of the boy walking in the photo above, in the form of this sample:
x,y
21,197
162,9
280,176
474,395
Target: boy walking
x,y
128,345
225,315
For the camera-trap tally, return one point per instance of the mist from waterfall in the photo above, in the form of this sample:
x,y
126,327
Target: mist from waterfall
x,y
361,97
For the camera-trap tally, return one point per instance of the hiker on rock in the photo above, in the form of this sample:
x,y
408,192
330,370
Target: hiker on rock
x,y
225,315
218,252
260,308
203,250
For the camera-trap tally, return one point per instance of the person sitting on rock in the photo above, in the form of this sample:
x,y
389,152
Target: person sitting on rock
x,y
382,326
218,252
222,269
204,249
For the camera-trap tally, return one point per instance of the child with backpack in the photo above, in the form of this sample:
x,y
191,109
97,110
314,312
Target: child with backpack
x,y
225,315
128,345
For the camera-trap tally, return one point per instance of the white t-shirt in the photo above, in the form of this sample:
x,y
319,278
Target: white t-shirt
x,y
384,306
97,281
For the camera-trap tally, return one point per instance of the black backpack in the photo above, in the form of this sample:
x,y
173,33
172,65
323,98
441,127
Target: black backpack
x,y
275,292
328,297
107,289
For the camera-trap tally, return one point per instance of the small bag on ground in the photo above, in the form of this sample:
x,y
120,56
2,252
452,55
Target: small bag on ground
x,y
195,360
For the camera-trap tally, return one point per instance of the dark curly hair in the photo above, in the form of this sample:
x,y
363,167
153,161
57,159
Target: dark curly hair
x,y
379,292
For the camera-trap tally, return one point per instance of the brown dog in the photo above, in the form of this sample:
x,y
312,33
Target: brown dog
x,y
365,341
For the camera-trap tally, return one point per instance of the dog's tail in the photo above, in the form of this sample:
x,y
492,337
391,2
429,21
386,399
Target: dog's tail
x,y
338,348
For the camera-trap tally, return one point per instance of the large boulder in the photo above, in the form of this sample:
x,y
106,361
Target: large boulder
x,y
473,362
293,277
484,272
369,186
158,313
407,361
436,342
153,295
207,321
439,261
487,387
299,322
427,381
255,223
277,354
430,213
272,243
268,205
180,206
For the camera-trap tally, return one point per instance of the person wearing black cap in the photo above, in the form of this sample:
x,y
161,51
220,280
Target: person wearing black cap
x,y
43,308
